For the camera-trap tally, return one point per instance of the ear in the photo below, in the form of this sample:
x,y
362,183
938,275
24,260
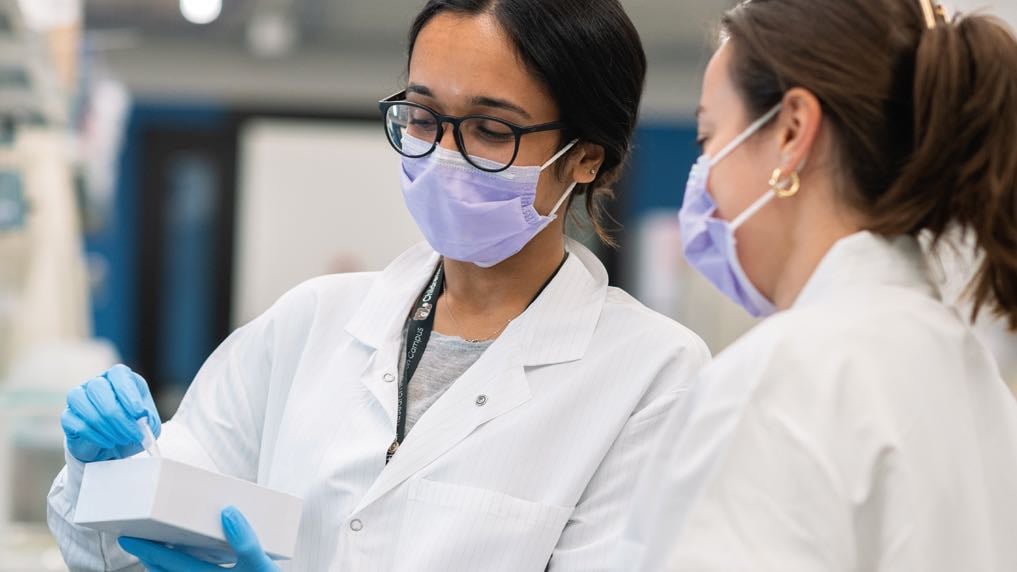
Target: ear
x,y
584,163
798,128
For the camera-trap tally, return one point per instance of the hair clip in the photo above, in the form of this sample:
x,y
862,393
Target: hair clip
x,y
931,11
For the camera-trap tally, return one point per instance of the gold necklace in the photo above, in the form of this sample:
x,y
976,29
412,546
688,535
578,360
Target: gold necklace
x,y
455,322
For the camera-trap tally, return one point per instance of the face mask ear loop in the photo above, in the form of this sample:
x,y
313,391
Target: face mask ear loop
x,y
752,210
561,201
572,187
559,155
749,132
758,205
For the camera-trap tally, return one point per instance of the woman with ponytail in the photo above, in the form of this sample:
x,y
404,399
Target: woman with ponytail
x,y
861,426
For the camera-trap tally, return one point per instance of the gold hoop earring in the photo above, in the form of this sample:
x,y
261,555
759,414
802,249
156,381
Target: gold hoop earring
x,y
785,188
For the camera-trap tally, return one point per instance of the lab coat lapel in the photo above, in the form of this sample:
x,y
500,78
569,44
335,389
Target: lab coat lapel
x,y
495,385
557,328
378,324
560,324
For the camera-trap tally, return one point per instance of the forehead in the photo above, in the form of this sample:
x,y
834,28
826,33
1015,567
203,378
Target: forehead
x,y
720,95
461,56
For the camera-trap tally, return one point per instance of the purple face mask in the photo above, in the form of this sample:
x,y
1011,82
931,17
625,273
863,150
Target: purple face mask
x,y
471,215
709,242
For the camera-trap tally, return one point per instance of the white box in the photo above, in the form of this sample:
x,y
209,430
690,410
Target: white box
x,y
175,503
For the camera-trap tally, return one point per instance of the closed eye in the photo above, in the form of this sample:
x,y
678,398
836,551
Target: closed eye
x,y
495,135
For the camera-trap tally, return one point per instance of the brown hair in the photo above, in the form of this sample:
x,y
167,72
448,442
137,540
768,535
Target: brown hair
x,y
925,119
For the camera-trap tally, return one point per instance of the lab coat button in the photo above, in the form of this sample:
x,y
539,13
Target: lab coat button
x,y
481,400
388,377
356,525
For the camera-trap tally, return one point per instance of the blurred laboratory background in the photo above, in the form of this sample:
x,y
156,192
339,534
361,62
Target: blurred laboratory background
x,y
168,168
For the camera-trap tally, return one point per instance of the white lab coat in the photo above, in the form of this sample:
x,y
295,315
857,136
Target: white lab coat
x,y
865,429
532,455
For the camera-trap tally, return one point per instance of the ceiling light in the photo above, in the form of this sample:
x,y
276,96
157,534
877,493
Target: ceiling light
x,y
201,11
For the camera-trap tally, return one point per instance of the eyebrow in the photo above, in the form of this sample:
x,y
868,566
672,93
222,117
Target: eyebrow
x,y
479,101
419,90
699,111
499,104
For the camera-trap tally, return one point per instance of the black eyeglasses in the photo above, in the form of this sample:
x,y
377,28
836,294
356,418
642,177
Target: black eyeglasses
x,y
488,143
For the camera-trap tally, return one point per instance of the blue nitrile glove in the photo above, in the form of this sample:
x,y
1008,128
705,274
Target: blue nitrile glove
x,y
158,557
101,419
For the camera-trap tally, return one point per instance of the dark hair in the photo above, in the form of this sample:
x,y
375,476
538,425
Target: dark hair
x,y
589,56
924,119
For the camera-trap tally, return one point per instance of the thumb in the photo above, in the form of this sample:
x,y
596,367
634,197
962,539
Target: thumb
x,y
244,541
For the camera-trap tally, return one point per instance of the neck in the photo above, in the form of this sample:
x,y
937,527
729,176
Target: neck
x,y
509,286
811,241
479,303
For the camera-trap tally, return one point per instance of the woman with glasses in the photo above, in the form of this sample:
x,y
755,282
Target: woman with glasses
x,y
485,402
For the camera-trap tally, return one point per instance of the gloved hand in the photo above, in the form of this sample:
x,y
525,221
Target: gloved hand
x,y
100,421
158,557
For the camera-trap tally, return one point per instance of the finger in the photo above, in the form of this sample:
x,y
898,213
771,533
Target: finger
x,y
124,375
125,451
158,556
86,445
77,430
100,393
242,537
116,421
127,391
80,405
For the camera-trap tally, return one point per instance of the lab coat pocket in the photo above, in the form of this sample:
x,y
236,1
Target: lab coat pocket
x,y
451,527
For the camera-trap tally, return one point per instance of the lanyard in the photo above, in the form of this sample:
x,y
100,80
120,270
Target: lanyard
x,y
418,334
419,328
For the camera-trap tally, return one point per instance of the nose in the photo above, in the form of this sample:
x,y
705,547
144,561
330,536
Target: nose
x,y
448,137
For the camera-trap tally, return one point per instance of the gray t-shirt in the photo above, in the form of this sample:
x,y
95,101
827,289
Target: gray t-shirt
x,y
444,361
